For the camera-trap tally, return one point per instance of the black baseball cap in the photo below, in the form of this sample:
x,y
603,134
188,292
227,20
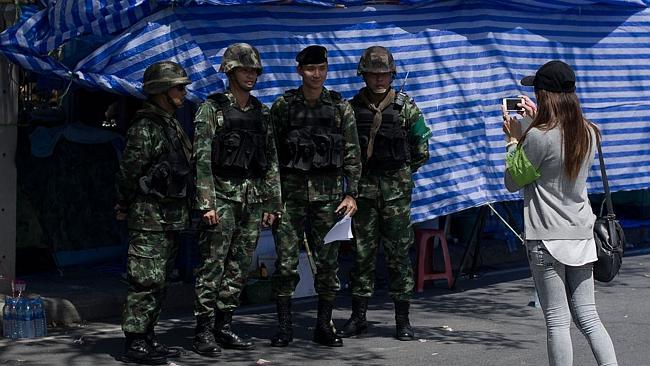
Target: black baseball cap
x,y
312,55
554,76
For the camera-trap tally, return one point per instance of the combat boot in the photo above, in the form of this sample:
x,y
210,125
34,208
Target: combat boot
x,y
204,342
285,326
403,330
225,336
324,332
357,323
136,350
159,348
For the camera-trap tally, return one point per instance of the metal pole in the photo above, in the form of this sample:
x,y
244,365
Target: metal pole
x,y
505,222
310,257
8,141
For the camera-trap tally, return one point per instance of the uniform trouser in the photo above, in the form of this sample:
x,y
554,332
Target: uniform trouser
x,y
150,261
226,253
389,221
565,293
314,219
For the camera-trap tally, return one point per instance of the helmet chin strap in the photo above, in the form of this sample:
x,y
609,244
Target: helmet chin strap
x,y
170,101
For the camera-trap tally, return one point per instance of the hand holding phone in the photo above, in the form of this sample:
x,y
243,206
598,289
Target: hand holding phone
x,y
511,125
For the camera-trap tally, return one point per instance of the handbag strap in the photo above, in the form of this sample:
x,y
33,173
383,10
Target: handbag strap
x,y
603,175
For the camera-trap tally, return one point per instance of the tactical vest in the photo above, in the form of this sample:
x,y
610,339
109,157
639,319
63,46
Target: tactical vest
x,y
314,141
170,176
391,148
239,148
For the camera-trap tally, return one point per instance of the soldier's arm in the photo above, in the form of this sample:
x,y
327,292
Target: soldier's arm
x,y
138,156
278,116
419,135
352,152
272,177
204,130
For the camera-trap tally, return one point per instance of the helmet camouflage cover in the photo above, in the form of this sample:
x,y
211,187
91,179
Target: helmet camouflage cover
x,y
376,59
241,55
162,76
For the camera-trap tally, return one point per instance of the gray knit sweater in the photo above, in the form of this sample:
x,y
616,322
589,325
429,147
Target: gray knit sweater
x,y
555,207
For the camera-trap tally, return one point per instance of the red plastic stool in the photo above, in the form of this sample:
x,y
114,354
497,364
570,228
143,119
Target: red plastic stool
x,y
424,270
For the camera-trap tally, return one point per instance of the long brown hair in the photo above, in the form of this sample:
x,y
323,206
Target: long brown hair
x,y
563,109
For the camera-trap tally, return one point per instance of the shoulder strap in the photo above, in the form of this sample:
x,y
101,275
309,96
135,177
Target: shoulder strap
x,y
155,118
336,96
219,98
356,100
290,94
256,102
168,131
603,175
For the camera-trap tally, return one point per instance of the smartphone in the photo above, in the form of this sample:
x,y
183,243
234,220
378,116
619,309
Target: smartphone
x,y
510,104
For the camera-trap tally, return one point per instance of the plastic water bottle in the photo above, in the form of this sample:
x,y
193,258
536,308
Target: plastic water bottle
x,y
6,319
29,319
14,315
24,317
40,323
20,311
9,318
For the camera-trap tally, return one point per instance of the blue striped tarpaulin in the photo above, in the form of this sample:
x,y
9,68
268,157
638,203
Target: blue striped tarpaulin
x,y
463,57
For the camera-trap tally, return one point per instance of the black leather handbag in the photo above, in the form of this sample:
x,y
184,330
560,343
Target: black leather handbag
x,y
608,234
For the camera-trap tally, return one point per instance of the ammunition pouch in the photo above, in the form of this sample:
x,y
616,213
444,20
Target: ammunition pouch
x,y
312,149
171,176
164,181
239,153
239,148
314,142
390,151
391,146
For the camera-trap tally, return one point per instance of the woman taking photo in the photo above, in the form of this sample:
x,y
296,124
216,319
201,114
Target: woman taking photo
x,y
550,161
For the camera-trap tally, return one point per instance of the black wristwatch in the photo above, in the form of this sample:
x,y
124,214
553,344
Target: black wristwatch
x,y
353,194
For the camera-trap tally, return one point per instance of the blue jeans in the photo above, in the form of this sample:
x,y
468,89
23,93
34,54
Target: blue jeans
x,y
567,292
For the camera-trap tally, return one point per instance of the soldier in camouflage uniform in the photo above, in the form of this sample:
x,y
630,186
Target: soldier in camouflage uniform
x,y
238,191
153,181
318,148
393,138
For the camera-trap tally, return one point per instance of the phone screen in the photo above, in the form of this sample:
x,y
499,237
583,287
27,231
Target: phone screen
x,y
511,104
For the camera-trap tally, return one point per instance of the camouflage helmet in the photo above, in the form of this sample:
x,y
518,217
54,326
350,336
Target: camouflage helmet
x,y
162,76
376,59
241,55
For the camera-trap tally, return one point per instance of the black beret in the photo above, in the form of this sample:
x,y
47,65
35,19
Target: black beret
x,y
312,55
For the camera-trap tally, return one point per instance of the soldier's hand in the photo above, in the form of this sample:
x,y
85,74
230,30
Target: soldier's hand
x,y
211,217
120,212
269,219
347,207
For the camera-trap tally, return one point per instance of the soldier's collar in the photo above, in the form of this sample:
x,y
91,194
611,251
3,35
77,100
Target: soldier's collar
x,y
153,107
324,97
231,96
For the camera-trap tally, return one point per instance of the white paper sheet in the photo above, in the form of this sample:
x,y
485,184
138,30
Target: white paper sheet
x,y
342,230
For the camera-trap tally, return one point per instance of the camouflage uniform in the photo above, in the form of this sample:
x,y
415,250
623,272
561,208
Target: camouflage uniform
x,y
384,203
310,201
153,222
384,211
236,176
153,184
227,248
318,151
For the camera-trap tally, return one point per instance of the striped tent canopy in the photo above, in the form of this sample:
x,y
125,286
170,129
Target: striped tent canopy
x,y
462,58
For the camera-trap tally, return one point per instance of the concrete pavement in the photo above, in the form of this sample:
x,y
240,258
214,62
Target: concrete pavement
x,y
489,323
